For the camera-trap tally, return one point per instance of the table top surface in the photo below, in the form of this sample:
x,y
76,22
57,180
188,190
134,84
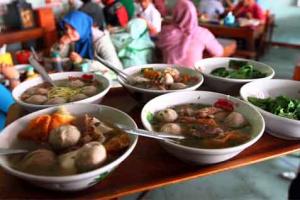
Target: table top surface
x,y
148,167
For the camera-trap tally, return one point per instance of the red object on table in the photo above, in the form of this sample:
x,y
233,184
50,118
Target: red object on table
x,y
23,56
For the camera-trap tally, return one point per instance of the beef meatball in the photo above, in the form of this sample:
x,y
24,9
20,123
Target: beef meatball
x,y
89,90
39,160
36,99
56,100
78,97
76,84
167,115
172,128
91,156
64,137
235,120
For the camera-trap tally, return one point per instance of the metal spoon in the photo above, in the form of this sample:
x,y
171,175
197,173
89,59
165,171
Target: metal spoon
x,y
151,134
12,151
41,70
119,72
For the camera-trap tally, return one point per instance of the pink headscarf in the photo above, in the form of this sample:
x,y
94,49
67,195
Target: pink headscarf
x,y
183,42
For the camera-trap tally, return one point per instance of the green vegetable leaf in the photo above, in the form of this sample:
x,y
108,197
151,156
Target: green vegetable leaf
x,y
150,117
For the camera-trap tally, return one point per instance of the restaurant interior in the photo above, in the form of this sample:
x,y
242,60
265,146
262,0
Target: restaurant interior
x,y
150,99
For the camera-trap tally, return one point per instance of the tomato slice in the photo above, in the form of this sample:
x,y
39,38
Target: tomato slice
x,y
224,104
87,77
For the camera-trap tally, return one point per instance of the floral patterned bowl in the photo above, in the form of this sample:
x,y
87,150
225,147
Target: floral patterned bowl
x,y
8,139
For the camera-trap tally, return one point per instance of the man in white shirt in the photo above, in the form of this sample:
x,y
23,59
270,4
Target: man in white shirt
x,y
146,10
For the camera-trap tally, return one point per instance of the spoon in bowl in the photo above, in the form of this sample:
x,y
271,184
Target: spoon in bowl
x,y
41,70
4,151
151,134
127,78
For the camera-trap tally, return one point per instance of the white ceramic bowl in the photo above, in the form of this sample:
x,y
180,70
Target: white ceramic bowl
x,y
8,139
143,95
20,89
198,155
228,85
275,125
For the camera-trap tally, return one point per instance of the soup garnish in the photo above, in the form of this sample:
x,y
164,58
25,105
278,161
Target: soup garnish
x,y
282,106
163,79
62,144
239,70
72,89
204,126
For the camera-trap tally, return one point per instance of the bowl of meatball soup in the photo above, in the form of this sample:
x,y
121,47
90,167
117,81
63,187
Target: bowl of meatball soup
x,y
216,127
69,148
71,87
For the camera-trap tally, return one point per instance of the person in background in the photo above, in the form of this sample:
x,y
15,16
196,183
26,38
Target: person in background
x,y
147,11
129,5
183,42
211,9
134,46
115,13
82,40
160,5
95,11
74,4
249,9
101,37
6,100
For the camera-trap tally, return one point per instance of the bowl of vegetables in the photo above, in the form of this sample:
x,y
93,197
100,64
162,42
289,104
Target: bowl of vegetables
x,y
151,80
227,75
71,87
69,148
216,127
279,103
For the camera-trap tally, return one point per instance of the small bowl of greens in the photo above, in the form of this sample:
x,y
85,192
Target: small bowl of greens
x,y
279,103
227,75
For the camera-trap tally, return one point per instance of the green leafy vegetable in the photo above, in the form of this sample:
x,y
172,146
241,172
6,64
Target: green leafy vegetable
x,y
238,70
282,106
150,117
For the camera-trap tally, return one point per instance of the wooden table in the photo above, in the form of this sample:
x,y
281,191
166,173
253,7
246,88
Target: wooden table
x,y
148,167
249,34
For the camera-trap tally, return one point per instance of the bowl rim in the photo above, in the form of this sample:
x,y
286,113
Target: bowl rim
x,y
235,80
161,65
79,176
97,76
264,112
213,151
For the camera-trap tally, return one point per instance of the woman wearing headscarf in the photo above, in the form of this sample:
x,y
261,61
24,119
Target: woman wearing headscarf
x,y
183,41
134,46
81,40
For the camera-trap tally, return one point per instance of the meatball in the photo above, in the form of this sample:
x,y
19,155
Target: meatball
x,y
221,116
64,136
235,120
67,162
89,90
39,160
78,97
178,86
172,128
76,84
90,156
37,99
41,91
167,115
56,100
174,72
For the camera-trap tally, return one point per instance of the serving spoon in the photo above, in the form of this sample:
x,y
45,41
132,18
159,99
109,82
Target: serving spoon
x,y
41,70
150,134
127,78
4,151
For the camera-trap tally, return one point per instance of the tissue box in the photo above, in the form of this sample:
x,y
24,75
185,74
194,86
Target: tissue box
x,y
6,58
